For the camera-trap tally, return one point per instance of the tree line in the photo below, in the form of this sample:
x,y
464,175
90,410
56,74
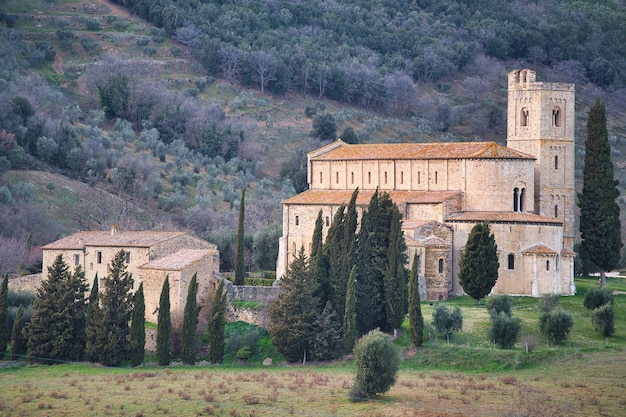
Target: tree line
x,y
106,326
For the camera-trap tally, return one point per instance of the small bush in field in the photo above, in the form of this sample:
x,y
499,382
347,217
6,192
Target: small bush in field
x,y
549,302
446,321
596,297
500,304
603,320
556,325
377,361
504,329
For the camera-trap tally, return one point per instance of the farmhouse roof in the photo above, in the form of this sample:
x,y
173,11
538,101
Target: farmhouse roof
x,y
180,260
501,217
439,150
337,197
82,239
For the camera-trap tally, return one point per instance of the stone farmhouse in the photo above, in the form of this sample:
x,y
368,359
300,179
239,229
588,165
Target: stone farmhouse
x,y
150,257
524,190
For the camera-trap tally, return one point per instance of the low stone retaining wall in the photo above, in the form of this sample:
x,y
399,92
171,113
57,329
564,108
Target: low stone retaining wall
x,y
27,283
255,293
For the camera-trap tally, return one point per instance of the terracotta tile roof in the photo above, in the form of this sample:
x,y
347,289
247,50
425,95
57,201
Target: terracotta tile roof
x,y
501,217
81,239
539,250
440,150
179,260
567,252
336,197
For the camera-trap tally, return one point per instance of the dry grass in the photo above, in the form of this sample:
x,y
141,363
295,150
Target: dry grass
x,y
591,385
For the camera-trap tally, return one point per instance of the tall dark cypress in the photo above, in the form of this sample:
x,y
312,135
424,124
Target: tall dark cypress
x,y
94,323
164,326
18,338
349,317
318,262
240,273
138,328
190,324
113,332
56,331
599,212
217,324
334,256
478,266
395,278
416,319
4,315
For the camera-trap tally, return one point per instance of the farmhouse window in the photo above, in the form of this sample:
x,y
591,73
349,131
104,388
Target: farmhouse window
x,y
76,260
127,257
511,261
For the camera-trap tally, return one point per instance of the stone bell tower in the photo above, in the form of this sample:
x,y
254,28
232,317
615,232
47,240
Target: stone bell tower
x,y
541,123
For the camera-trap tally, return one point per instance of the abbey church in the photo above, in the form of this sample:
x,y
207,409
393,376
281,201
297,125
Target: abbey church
x,y
524,190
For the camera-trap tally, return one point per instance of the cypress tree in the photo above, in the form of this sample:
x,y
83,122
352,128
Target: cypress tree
x,y
164,326
138,328
94,323
217,324
599,212
190,324
319,262
240,273
416,320
395,279
4,314
57,329
478,267
92,300
18,339
293,312
113,332
327,335
349,317
333,253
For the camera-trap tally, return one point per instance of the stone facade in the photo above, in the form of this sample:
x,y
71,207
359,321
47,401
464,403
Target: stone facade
x,y
150,257
524,190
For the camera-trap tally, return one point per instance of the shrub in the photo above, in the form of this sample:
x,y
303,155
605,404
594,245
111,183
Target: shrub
x,y
549,302
596,297
377,361
447,322
556,325
244,353
497,304
603,320
504,329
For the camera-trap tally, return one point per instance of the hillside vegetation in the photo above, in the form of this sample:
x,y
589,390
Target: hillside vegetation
x,y
106,118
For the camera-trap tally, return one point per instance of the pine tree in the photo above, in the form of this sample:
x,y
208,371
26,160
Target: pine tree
x,y
112,339
56,331
18,338
217,324
190,324
349,317
293,312
4,315
240,273
599,212
164,326
416,320
395,279
138,328
478,267
327,335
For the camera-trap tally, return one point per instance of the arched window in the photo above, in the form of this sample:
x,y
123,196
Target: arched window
x,y
297,220
337,177
516,199
522,197
556,117
556,162
369,177
327,221
352,177
440,266
419,177
524,118
547,265
385,177
511,261
435,177
556,211
401,177
321,177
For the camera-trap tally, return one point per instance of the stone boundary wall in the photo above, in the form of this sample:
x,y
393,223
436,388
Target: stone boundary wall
x,y
255,293
26,283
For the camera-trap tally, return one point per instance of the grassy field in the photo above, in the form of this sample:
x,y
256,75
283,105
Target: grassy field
x,y
465,377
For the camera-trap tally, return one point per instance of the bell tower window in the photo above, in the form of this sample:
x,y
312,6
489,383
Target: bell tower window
x,y
556,117
525,116
556,162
